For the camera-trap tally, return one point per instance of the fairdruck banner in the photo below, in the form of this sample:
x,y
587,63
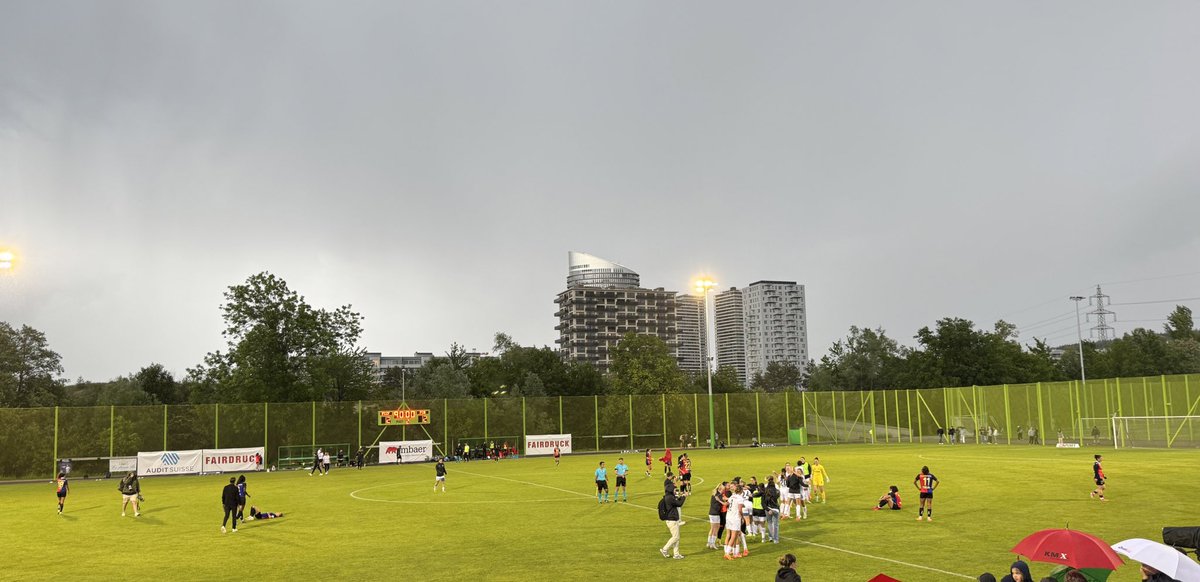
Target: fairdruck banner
x,y
543,444
170,463
232,460
405,451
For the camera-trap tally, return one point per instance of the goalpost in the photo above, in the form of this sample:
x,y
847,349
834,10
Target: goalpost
x,y
1142,431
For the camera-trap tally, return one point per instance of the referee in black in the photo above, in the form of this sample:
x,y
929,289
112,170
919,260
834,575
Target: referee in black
x,y
229,499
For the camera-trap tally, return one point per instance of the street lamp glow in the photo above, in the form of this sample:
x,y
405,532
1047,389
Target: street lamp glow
x,y
703,285
7,258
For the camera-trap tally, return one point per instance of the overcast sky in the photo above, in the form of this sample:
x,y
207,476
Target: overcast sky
x,y
432,163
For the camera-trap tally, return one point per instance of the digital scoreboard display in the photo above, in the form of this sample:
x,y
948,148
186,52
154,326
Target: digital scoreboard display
x,y
403,416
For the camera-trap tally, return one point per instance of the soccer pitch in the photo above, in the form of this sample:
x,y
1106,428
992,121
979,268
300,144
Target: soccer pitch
x,y
523,519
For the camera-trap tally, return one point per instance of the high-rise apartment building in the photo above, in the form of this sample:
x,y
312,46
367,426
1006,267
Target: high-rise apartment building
x,y
731,331
602,303
692,328
776,326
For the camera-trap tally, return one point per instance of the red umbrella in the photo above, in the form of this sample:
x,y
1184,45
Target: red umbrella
x,y
1069,548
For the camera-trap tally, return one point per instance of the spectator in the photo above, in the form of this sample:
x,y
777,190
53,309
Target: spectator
x,y
1019,572
1151,575
1075,576
787,569
131,492
668,511
987,577
229,502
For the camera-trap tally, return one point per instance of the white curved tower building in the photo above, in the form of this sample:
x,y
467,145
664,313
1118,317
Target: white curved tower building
x,y
591,271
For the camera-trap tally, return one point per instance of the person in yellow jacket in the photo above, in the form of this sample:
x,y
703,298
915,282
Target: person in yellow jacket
x,y
819,478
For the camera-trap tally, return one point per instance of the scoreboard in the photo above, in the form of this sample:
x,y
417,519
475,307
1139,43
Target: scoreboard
x,y
403,416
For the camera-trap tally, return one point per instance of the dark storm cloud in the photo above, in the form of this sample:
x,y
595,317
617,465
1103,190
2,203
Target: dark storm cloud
x,y
432,163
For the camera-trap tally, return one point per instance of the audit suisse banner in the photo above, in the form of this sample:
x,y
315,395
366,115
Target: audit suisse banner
x,y
232,460
408,451
170,463
543,444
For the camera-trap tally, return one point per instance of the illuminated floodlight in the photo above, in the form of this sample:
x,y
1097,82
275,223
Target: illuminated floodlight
x,y
7,259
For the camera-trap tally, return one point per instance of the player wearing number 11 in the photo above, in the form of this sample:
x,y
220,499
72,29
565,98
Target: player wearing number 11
x,y
925,483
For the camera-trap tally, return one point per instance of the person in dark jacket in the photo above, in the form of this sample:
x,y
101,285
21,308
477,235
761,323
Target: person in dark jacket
x,y
787,569
131,492
229,500
668,511
1019,572
987,577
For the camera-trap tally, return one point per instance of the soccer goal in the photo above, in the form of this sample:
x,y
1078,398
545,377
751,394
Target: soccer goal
x,y
1147,431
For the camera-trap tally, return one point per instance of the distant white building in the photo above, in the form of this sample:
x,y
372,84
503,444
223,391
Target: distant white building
x,y
776,325
730,318
692,332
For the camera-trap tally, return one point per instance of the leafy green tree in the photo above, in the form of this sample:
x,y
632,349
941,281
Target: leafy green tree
x,y
1180,325
778,377
122,391
643,364
438,378
156,381
867,359
583,379
28,368
281,349
724,380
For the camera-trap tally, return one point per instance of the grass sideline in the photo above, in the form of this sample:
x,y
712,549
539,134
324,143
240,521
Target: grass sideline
x,y
523,518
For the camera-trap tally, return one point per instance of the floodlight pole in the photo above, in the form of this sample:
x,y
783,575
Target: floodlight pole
x,y
1079,332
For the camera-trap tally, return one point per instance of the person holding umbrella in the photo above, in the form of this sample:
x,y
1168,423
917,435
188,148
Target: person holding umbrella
x,y
1160,562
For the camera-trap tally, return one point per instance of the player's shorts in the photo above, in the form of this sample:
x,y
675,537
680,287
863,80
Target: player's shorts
x,y
61,494
620,480
1100,482
733,521
804,495
686,477
714,519
793,496
601,485
759,514
440,478
127,498
927,495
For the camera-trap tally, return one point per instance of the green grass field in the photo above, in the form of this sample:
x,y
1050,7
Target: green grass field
x,y
523,519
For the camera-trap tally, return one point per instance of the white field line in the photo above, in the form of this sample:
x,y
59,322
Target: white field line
x,y
824,546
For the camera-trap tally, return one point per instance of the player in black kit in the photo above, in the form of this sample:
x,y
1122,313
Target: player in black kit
x,y
440,469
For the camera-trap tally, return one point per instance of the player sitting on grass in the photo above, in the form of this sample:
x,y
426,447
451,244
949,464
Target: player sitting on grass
x,y
890,500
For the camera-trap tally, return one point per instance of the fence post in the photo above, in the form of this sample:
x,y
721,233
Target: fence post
x,y
360,426
217,425
314,423
897,417
596,403
112,414
164,427
1166,411
485,426
920,423
1146,402
560,422
833,415
908,413
887,433
696,413
523,431
1007,418
787,414
1041,417
266,425
54,462
757,420
804,413
631,422
1187,396
975,411
664,415
445,426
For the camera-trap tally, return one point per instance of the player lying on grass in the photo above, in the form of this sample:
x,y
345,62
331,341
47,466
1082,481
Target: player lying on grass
x,y
256,514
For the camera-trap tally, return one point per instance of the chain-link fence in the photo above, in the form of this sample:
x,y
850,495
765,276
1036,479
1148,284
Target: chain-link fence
x,y
32,440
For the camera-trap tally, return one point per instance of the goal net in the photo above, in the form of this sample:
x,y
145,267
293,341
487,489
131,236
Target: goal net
x,y
1142,431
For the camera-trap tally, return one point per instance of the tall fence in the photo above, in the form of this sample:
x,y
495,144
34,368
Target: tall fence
x,y
32,440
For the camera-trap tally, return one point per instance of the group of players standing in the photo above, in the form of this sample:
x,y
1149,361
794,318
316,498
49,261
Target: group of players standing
x,y
739,510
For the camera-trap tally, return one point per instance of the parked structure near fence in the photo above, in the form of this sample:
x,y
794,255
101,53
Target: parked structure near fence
x,y
33,439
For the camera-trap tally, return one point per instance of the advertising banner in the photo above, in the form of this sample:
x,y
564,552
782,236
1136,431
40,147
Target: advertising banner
x,y
232,460
543,444
122,464
405,451
170,463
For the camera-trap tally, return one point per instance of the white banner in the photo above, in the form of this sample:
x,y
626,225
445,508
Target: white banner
x,y
232,460
122,464
408,451
170,463
543,444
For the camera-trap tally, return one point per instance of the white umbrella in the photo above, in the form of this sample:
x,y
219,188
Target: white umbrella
x,y
1161,557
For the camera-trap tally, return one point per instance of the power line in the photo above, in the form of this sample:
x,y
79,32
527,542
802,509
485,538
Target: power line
x,y
1049,319
1152,278
1052,321
1184,300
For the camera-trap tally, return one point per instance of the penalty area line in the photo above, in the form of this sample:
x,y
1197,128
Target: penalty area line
x,y
701,480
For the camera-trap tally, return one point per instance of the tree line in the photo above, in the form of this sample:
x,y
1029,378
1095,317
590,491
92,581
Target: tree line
x,y
281,349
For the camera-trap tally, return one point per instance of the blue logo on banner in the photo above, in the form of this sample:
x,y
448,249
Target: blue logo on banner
x,y
170,459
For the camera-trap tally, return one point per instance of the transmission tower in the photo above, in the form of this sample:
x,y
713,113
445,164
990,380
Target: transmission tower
x,y
1101,331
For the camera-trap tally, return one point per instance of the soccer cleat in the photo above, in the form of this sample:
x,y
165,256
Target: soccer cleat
x,y
664,553
678,556
1093,494
930,518
744,553
920,517
235,530
728,556
139,514
222,529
